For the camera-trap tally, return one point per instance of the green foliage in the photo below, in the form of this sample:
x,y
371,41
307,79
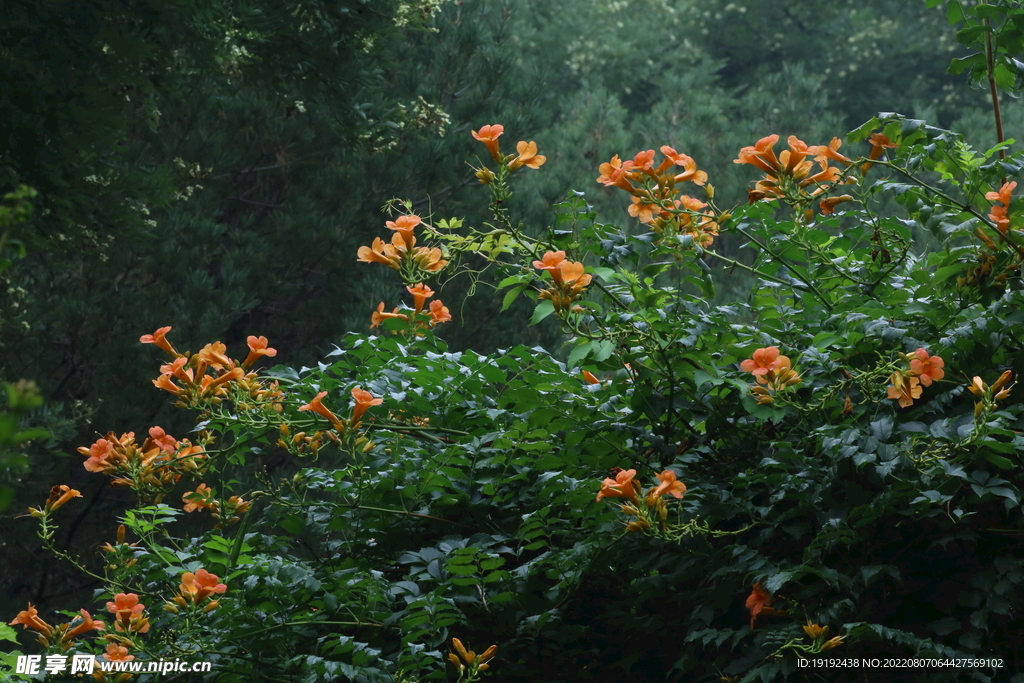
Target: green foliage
x,y
801,455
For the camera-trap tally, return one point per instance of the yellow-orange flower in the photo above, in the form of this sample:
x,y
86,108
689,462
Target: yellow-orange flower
x,y
829,204
420,293
160,339
364,399
87,623
215,355
690,173
879,143
197,587
380,316
999,215
763,361
319,408
127,611
551,262
668,484
117,653
60,495
200,499
927,368
527,156
258,347
381,252
489,136
904,389
29,618
616,173
590,378
404,226
757,601
439,313
814,631
622,486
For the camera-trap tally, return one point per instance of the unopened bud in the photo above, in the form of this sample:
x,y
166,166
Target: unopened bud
x,y
369,446
284,429
978,407
710,190
120,534
1001,382
214,604
484,175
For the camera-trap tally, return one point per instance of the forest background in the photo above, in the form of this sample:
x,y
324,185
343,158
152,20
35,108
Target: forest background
x,y
215,166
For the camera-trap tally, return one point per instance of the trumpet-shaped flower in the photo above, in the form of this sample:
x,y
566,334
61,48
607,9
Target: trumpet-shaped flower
x,y
420,293
364,400
258,347
404,227
380,316
60,495
622,486
319,408
999,213
160,339
668,484
757,601
29,618
904,389
927,368
489,136
200,499
527,156
381,252
439,313
763,361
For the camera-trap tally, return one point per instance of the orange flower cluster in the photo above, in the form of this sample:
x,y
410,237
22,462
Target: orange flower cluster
x,y
998,215
772,371
655,197
923,370
789,174
526,152
203,499
62,635
468,661
198,386
158,462
567,277
419,318
401,253
364,400
194,590
127,611
625,485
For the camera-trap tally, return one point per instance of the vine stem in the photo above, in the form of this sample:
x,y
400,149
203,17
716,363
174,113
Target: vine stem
x,y
991,68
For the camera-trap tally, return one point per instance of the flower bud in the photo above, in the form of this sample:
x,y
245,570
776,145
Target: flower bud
x,y
484,175
835,642
120,534
214,604
1001,382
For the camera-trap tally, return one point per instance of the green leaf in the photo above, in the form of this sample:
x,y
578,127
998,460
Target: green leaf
x,y
512,294
1000,462
578,353
954,12
543,310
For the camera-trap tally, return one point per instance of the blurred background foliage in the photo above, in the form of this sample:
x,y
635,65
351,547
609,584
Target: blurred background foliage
x,y
214,165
